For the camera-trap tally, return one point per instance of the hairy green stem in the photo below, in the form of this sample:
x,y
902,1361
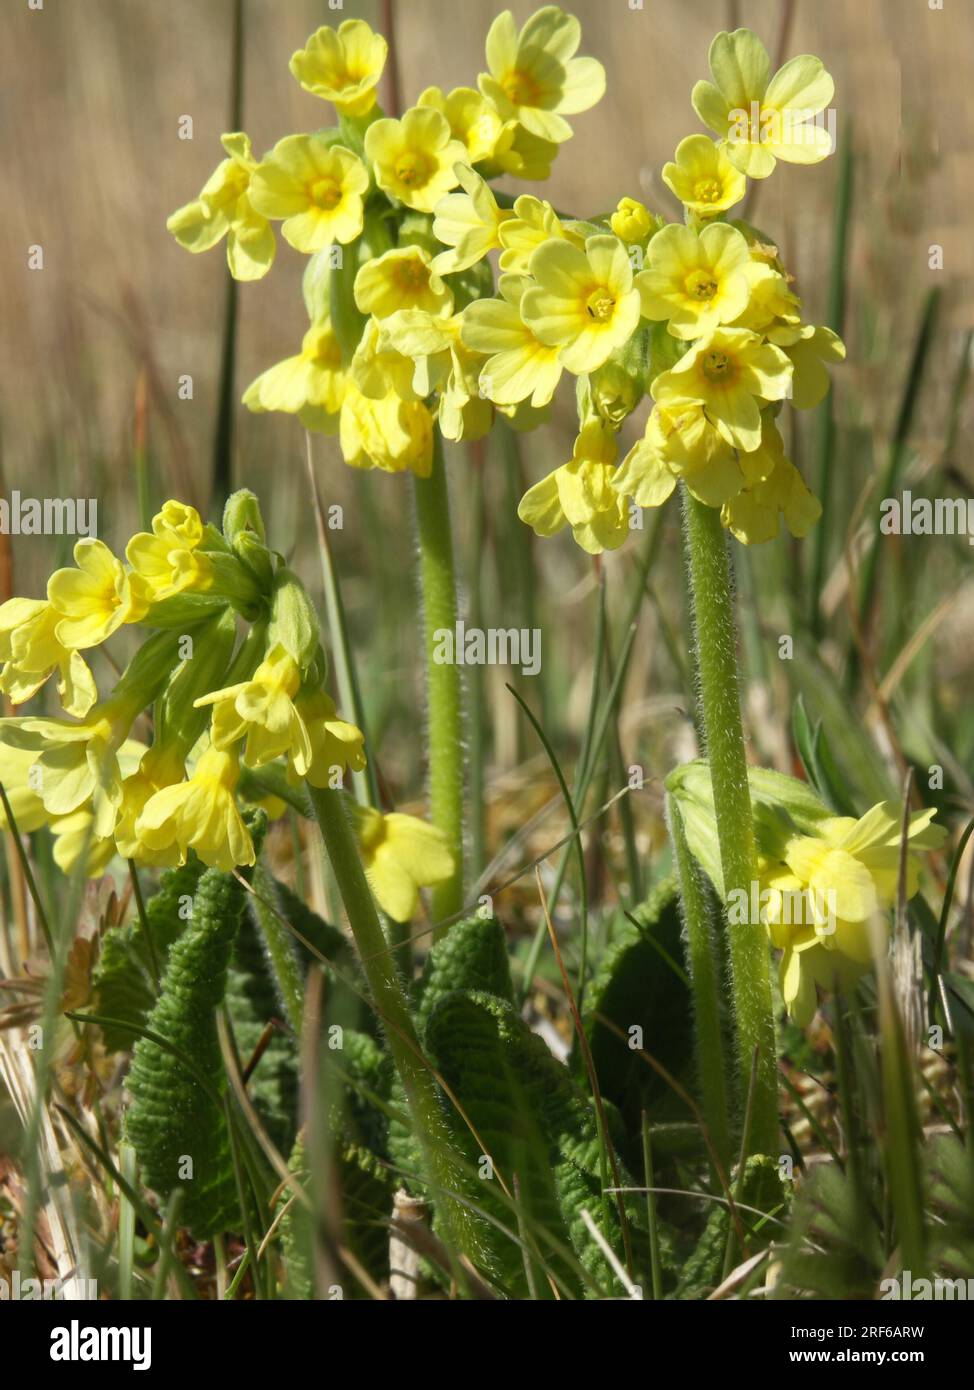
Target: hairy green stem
x,y
716,652
389,996
704,966
444,689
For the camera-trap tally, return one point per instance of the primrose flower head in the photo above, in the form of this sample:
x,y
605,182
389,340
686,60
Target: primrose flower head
x,y
224,209
335,744
167,560
468,223
519,366
774,489
534,222
580,494
386,432
695,282
415,158
200,814
400,854
731,372
310,385
680,443
843,876
403,278
584,301
472,120
534,77
31,653
762,118
316,186
703,178
342,66
262,710
93,600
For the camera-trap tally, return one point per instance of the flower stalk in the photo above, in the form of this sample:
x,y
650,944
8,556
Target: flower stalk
x,y
444,689
716,654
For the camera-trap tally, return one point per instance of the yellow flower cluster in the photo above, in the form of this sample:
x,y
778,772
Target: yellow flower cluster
x,y
397,256
220,710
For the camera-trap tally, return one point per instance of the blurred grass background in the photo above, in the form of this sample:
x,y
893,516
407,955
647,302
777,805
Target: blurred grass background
x,y
91,96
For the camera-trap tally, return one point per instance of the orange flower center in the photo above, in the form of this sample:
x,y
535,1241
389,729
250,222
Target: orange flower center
x,y
326,193
707,191
600,305
412,168
521,87
701,285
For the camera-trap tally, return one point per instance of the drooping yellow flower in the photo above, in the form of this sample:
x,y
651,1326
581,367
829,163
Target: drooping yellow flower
x,y
695,282
808,348
403,278
160,766
310,385
772,303
29,811
76,846
679,443
534,77
224,209
468,223
262,710
342,67
534,222
166,559
584,301
777,491
522,155
96,598
842,877
442,363
703,178
730,372
764,118
200,814
335,744
632,221
386,432
519,366
580,494
400,854
31,653
316,186
415,158
472,120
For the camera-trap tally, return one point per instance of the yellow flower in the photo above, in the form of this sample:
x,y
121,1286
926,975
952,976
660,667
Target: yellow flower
x,y
680,443
523,155
335,744
75,764
400,854
580,494
160,766
696,282
95,599
472,120
414,158
403,278
534,222
778,490
584,301
263,711
534,77
29,811
772,303
310,385
519,365
730,372
842,877
764,118
468,222
31,653
632,221
224,209
808,349
386,432
703,178
78,848
445,364
200,814
316,186
344,67
166,559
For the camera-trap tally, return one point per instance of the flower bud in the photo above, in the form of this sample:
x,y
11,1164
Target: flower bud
x,y
294,622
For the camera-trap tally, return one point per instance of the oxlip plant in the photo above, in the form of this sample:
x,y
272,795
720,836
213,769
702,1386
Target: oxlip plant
x,y
439,309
